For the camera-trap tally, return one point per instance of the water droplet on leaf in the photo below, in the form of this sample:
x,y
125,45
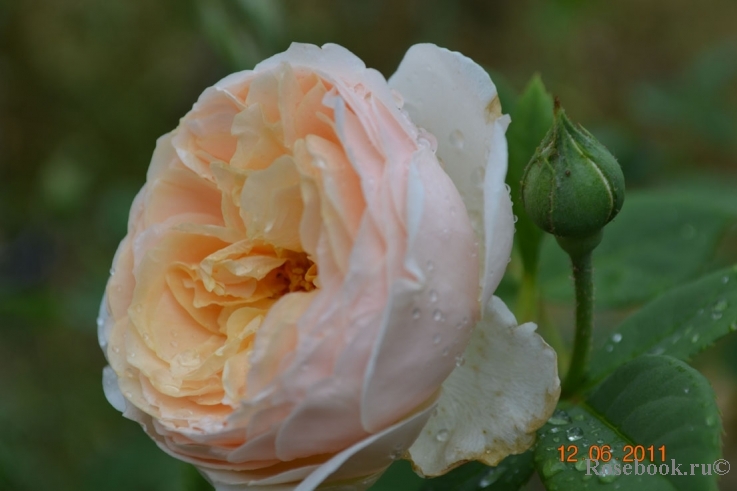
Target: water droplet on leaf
x,y
560,417
574,434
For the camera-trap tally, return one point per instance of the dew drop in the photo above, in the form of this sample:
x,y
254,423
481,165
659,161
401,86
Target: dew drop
x,y
433,296
100,322
616,337
574,434
457,139
607,474
516,218
686,390
658,350
725,279
733,326
442,436
116,349
460,360
560,417
436,339
580,465
112,271
415,313
430,266
445,352
695,338
174,344
553,467
554,430
710,421
128,394
688,231
437,315
489,478
609,348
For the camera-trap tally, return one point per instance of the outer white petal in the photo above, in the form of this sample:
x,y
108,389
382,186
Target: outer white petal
x,y
492,405
453,98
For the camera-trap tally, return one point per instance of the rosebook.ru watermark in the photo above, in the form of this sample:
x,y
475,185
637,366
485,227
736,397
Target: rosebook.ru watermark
x,y
616,468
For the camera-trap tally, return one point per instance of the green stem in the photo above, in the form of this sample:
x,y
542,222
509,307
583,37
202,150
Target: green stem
x,y
580,251
584,286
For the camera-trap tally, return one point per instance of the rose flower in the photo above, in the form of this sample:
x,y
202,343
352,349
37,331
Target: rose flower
x,y
305,292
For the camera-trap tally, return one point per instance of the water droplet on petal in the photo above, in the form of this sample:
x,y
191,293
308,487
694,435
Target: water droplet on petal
x,y
573,434
433,296
442,436
436,339
430,266
457,139
116,349
515,218
415,313
112,271
445,352
460,360
437,315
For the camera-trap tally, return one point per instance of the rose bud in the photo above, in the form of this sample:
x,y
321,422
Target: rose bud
x,y
572,186
313,254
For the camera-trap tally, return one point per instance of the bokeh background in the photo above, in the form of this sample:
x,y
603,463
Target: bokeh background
x,y
86,87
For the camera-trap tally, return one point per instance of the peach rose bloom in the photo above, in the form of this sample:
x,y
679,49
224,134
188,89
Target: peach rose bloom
x,y
309,264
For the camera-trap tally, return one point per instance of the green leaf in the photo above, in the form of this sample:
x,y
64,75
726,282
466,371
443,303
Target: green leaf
x,y
680,323
658,241
653,401
532,117
509,475
399,476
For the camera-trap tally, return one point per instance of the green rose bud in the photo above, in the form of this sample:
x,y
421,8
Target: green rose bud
x,y
573,186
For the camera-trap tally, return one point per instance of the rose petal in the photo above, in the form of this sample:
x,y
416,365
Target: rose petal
x,y
370,456
452,97
429,310
493,403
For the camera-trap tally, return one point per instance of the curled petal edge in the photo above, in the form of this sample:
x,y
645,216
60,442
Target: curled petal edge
x,y
491,405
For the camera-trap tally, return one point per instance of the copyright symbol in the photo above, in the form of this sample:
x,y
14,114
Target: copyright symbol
x,y
721,467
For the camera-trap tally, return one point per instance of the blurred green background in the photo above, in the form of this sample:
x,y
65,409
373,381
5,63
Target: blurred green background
x,y
86,87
